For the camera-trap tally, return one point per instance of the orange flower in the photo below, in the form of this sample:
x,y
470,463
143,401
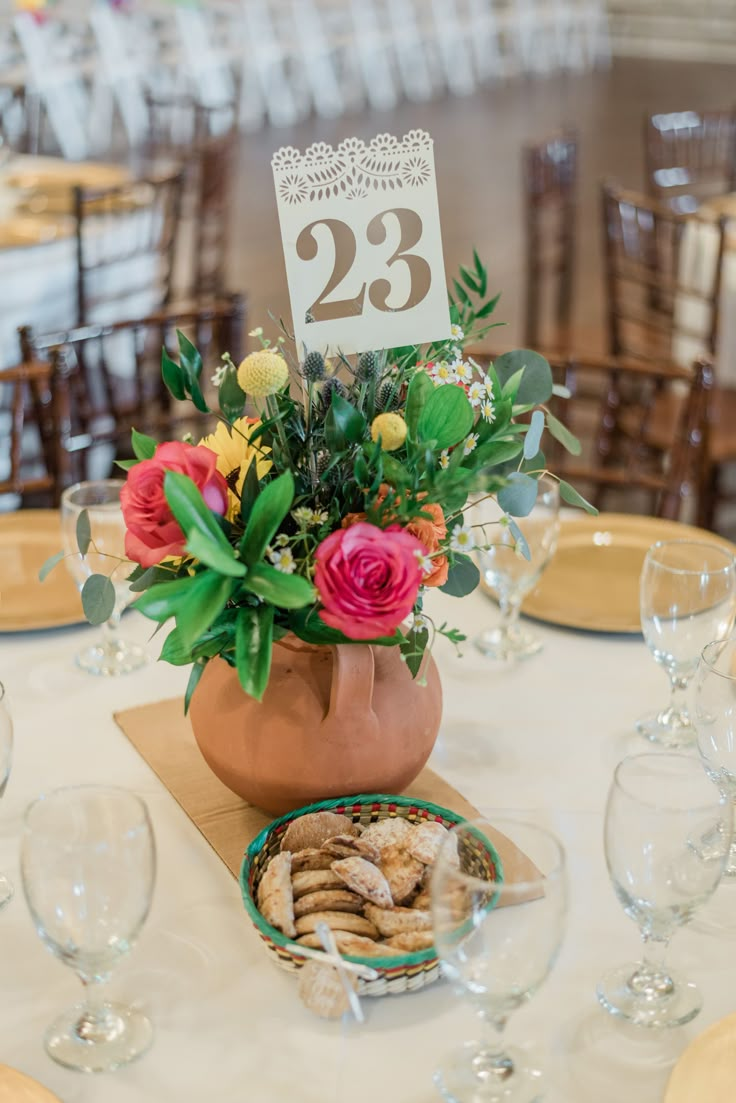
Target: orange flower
x,y
431,533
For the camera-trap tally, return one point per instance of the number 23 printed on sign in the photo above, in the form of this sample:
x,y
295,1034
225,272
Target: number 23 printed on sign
x,y
364,272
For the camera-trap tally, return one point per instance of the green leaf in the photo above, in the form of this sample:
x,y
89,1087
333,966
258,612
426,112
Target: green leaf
x,y
288,591
251,490
49,565
413,646
163,599
420,388
462,578
144,447
174,651
536,384
125,465
520,539
98,598
489,307
570,495
561,433
344,424
231,396
253,648
447,417
214,555
481,273
172,376
196,673
462,294
511,386
495,453
204,602
534,435
191,510
306,624
191,366
519,496
469,280
535,465
149,577
561,391
84,533
269,510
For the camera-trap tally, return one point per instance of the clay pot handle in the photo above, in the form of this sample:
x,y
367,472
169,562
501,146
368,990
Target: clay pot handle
x,y
352,682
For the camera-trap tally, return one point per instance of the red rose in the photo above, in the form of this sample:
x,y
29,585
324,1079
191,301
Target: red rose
x,y
368,579
152,531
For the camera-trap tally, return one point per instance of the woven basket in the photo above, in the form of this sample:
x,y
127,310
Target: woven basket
x,y
405,973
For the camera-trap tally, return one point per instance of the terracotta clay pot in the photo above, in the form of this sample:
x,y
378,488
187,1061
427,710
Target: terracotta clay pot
x,y
334,721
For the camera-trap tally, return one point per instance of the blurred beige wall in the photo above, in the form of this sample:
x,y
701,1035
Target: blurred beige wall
x,y
697,30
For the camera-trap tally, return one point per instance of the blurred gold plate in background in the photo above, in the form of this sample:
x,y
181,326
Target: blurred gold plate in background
x,y
706,1071
593,580
26,230
16,1087
27,539
50,174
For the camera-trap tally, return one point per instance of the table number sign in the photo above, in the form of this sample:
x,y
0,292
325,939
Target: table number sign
x,y
361,234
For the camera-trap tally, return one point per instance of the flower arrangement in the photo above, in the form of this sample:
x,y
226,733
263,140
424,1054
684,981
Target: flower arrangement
x,y
330,497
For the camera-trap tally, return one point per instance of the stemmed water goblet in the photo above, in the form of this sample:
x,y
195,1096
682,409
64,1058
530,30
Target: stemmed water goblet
x,y
99,501
667,837
715,720
88,865
497,939
509,573
6,757
687,599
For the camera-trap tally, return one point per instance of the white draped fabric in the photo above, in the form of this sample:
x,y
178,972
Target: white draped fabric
x,y
541,737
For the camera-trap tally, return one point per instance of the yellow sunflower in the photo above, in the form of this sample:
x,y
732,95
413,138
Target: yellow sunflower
x,y
235,453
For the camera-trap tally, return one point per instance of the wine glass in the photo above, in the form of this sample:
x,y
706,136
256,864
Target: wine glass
x,y
687,598
88,863
100,500
715,720
667,837
506,571
497,939
6,757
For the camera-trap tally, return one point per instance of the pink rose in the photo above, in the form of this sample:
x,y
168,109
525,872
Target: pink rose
x,y
152,531
368,579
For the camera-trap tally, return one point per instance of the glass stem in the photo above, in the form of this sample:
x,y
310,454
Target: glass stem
x,y
510,608
651,980
492,1062
678,705
97,1022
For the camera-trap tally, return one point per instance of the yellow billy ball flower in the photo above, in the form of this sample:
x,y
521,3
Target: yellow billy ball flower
x,y
391,428
263,373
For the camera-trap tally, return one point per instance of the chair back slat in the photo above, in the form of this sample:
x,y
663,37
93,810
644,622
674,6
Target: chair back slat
x,y
690,157
35,460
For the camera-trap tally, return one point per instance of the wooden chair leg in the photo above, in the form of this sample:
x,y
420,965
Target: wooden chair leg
x,y
708,493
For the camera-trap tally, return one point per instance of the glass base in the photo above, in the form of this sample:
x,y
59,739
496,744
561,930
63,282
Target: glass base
x,y
656,1000
469,1076
669,729
496,643
109,660
99,1040
6,890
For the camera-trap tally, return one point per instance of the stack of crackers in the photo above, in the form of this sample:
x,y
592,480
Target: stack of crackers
x,y
370,885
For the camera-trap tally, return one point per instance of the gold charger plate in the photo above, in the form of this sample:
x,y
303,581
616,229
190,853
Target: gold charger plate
x,y
53,175
592,582
16,1087
25,230
706,1071
27,539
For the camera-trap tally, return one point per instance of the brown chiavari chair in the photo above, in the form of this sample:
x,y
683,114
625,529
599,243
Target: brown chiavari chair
x,y
625,469
690,157
204,140
115,372
550,182
125,240
38,456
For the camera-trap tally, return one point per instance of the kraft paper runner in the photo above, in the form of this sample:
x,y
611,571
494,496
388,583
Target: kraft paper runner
x,y
162,735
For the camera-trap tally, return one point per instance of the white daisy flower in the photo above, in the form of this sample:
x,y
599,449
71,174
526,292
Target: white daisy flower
x,y
442,373
463,371
303,516
218,375
488,384
187,438
470,444
281,540
418,622
283,560
424,562
457,353
476,393
257,332
456,333
487,411
462,539
445,458
318,517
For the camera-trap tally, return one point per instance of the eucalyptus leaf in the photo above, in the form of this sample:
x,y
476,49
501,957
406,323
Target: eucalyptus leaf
x,y
213,555
253,648
533,437
49,565
149,577
463,577
570,495
561,390
143,446
98,598
288,591
446,418
536,384
269,510
521,540
519,495
561,433
84,532
204,601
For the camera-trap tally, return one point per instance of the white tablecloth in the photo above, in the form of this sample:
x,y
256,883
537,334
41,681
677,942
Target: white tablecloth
x,y
541,737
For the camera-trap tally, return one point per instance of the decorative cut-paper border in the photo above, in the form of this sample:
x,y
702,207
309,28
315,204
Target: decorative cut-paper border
x,y
354,169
